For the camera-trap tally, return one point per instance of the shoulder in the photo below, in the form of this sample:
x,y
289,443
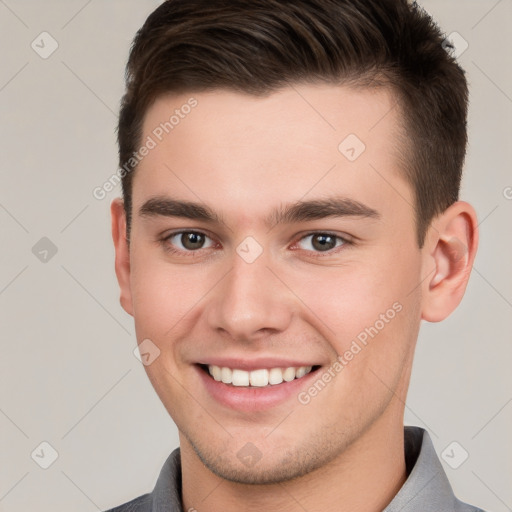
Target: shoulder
x,y
465,507
166,494
140,504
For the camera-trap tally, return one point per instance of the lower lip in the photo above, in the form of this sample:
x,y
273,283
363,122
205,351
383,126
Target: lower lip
x,y
250,399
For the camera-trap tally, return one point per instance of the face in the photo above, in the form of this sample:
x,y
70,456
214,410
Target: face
x,y
265,244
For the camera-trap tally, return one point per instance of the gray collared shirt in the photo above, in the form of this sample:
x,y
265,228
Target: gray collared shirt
x,y
426,489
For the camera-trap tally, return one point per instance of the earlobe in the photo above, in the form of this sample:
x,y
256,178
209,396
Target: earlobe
x,y
122,257
449,254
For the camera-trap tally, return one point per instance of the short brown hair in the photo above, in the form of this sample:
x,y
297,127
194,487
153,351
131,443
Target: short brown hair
x,y
259,46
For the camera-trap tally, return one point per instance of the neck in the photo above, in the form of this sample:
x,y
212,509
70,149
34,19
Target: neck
x,y
364,478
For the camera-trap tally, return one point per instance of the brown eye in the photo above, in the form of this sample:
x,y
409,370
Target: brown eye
x,y
192,241
321,242
324,242
189,241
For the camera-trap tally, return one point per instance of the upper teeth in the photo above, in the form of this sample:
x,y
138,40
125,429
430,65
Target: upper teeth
x,y
257,378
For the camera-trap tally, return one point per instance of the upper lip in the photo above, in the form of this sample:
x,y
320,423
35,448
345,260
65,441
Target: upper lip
x,y
255,364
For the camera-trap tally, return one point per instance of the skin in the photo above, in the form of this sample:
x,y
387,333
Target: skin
x,y
244,156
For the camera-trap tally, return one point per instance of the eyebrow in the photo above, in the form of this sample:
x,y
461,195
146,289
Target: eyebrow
x,y
300,211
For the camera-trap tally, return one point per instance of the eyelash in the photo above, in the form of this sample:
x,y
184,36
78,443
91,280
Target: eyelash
x,y
346,242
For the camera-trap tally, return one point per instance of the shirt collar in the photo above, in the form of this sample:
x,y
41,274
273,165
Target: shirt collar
x,y
427,487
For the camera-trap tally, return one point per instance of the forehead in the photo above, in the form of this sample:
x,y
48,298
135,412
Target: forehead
x,y
315,114
251,150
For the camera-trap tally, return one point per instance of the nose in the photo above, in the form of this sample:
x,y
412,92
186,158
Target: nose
x,y
250,302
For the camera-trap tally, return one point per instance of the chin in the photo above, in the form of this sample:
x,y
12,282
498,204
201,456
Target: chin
x,y
249,466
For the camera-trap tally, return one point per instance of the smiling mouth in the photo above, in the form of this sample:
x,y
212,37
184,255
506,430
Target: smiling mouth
x,y
263,377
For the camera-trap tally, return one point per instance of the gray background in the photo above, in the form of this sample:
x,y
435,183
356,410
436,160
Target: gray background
x,y
67,369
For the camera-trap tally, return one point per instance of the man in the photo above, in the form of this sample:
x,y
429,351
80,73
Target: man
x,y
290,214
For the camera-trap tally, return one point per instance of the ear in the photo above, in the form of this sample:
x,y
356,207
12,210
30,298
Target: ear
x,y
449,251
122,261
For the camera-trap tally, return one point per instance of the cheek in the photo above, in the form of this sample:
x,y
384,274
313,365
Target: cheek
x,y
363,299
164,296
